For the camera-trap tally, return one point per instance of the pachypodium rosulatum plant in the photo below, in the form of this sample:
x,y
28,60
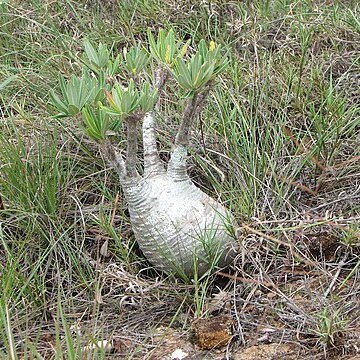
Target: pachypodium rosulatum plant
x,y
179,228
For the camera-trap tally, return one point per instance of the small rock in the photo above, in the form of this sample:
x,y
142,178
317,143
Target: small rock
x,y
178,354
213,333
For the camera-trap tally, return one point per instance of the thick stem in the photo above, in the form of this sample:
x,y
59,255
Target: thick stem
x,y
182,136
132,146
193,108
161,75
113,158
152,162
177,163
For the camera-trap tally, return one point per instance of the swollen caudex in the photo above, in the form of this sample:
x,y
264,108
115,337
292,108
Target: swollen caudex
x,y
179,228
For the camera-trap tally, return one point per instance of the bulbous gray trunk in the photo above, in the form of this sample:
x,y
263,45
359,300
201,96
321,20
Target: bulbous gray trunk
x,y
178,227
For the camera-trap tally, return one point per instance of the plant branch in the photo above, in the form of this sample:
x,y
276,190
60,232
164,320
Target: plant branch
x,y
193,108
132,146
182,136
113,158
177,163
161,75
152,162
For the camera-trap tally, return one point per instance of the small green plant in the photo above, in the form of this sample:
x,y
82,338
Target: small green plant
x,y
329,324
76,93
201,68
212,257
166,48
99,61
135,60
350,236
97,123
97,58
130,100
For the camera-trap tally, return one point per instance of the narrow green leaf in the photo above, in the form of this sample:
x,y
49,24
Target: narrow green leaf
x,y
60,105
7,81
91,52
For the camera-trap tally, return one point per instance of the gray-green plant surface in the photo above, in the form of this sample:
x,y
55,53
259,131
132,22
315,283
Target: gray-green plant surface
x,y
277,143
180,229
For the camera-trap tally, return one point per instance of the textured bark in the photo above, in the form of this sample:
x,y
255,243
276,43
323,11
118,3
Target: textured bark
x,y
176,224
177,164
132,146
114,158
152,162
